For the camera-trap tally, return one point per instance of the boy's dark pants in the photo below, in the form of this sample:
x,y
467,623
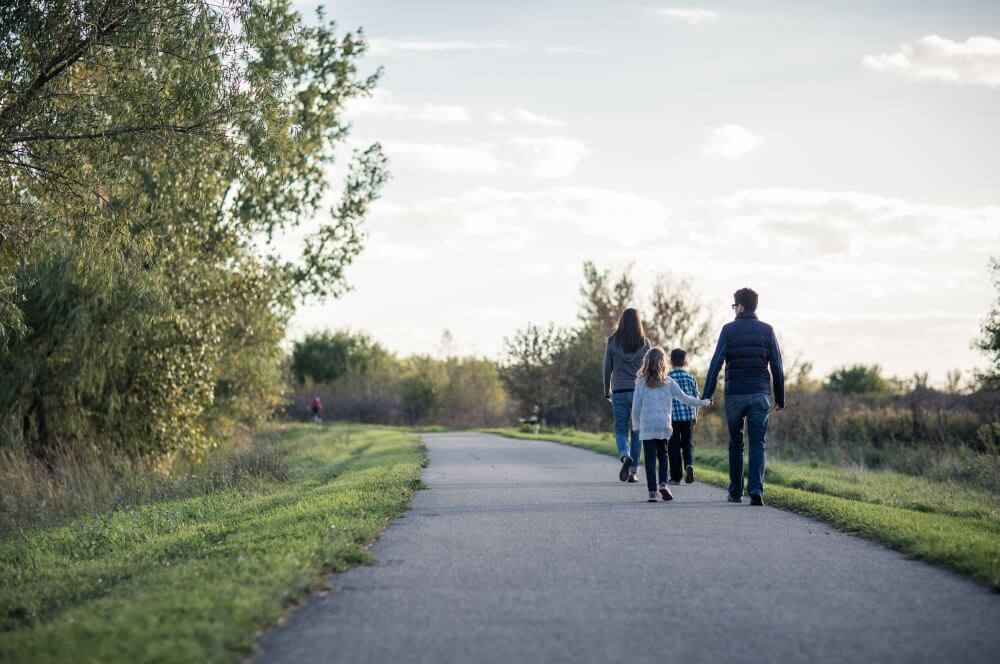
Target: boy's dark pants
x,y
680,443
653,450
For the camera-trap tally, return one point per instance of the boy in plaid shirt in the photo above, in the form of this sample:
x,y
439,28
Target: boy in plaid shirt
x,y
684,417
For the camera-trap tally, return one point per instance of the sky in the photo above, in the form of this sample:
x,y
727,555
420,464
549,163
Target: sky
x,y
839,158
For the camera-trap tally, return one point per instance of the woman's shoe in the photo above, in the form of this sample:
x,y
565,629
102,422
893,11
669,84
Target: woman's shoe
x,y
652,497
665,493
626,464
689,474
632,478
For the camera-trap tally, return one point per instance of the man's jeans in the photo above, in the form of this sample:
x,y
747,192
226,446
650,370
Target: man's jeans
x,y
754,408
621,408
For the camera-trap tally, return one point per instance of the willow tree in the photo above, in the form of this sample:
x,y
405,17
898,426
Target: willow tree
x,y
151,153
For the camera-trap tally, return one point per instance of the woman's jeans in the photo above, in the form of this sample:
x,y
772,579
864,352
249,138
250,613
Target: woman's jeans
x,y
754,408
655,450
621,408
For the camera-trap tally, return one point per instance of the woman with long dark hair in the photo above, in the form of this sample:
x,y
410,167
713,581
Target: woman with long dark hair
x,y
622,358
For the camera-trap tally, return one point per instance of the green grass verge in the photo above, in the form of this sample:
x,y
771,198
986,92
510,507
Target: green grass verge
x,y
196,580
938,522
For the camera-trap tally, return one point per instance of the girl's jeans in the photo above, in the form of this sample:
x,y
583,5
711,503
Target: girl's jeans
x,y
655,450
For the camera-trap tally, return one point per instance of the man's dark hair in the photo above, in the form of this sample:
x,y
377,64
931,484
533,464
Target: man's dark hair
x,y
678,357
747,297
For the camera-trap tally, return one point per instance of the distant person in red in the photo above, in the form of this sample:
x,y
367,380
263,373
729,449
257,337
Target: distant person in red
x,y
316,408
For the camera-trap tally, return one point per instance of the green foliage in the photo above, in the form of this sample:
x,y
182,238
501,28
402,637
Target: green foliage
x,y
150,154
555,373
422,389
195,580
531,368
325,357
857,379
358,380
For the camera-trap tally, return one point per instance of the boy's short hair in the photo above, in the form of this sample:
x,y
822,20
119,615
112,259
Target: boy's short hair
x,y
747,297
678,357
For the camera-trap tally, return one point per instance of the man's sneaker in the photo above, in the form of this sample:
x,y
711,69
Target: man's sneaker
x,y
757,499
652,497
673,481
665,493
626,465
734,499
632,478
689,473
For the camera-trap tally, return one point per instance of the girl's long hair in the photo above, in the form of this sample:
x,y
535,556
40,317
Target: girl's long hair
x,y
654,367
629,333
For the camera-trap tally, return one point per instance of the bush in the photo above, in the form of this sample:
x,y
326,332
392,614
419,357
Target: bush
x,y
420,390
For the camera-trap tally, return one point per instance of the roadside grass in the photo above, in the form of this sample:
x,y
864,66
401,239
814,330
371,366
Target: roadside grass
x,y
197,579
943,523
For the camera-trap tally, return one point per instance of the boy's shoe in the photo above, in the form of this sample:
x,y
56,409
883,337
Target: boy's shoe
x,y
652,497
734,499
689,474
665,493
757,499
632,478
626,465
673,481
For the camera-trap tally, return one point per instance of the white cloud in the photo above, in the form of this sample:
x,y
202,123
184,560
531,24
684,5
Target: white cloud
x,y
524,117
444,158
382,104
542,157
412,45
689,15
731,141
527,117
825,223
506,220
550,156
973,62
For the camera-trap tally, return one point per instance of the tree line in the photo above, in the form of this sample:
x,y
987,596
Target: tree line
x,y
553,374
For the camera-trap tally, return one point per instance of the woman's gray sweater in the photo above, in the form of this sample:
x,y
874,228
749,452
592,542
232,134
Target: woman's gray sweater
x,y
620,368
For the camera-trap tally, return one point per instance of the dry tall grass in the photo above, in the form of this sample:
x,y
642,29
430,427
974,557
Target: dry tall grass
x,y
73,482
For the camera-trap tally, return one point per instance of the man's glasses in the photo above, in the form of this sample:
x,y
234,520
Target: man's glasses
x,y
734,306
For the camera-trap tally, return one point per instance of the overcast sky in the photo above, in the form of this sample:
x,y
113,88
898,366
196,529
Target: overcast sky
x,y
840,158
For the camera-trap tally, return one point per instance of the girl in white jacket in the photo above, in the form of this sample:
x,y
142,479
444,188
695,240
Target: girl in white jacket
x,y
652,405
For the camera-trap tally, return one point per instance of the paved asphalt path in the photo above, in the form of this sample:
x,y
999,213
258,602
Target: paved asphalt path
x,y
525,551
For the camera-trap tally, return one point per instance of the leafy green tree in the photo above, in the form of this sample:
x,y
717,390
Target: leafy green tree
x,y
531,370
324,357
857,379
474,393
150,154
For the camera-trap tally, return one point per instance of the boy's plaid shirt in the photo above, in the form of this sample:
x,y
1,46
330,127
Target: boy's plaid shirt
x,y
688,383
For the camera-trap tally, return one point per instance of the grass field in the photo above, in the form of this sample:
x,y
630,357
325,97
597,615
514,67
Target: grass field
x,y
197,579
943,523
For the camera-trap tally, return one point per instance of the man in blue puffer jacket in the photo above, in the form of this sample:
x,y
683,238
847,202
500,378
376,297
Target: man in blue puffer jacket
x,y
748,347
